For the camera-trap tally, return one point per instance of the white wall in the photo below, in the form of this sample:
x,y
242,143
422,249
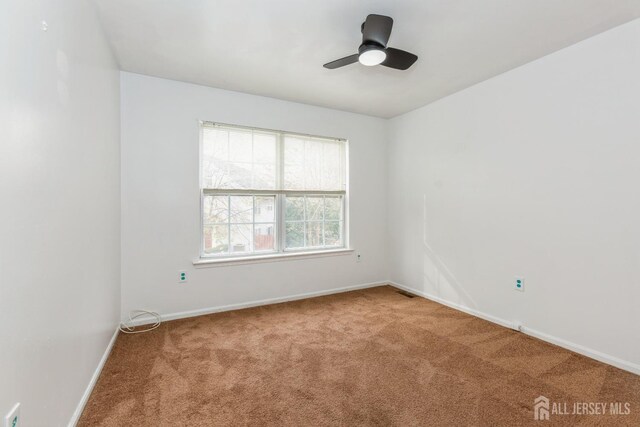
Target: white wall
x,y
534,173
60,196
160,198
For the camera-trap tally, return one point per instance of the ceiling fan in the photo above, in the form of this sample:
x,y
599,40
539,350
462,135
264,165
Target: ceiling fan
x,y
376,30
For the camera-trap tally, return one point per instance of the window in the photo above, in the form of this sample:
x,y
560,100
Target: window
x,y
270,192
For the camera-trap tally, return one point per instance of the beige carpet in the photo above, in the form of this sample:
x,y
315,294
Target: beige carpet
x,y
369,357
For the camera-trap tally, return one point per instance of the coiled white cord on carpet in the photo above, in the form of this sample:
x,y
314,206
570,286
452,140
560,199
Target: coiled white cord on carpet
x,y
129,327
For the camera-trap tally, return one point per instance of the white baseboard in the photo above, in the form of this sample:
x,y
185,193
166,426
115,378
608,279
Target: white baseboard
x,y
634,368
92,383
209,310
458,307
593,354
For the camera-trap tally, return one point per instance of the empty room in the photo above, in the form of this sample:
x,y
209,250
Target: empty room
x,y
319,213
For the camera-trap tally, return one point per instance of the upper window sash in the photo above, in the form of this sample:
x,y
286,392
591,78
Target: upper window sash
x,y
238,158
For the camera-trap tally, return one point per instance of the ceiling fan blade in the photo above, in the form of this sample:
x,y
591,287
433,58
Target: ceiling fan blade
x,y
377,29
399,59
342,62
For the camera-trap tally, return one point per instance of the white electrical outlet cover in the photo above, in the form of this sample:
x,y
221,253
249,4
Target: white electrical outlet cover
x,y
12,419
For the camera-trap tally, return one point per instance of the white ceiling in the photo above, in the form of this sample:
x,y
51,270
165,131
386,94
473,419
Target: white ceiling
x,y
276,48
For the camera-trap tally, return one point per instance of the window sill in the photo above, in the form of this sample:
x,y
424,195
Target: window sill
x,y
215,262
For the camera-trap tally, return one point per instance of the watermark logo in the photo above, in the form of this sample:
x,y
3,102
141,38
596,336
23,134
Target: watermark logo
x,y
541,408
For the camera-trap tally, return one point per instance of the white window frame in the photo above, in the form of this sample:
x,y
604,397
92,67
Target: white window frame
x,y
280,200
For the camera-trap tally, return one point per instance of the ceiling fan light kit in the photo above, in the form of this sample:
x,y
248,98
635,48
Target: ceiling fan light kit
x,y
376,30
371,55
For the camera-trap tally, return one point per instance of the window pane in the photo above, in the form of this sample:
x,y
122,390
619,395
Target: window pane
x,y
265,209
215,154
216,239
333,233
295,209
294,177
295,234
238,159
263,176
241,234
264,148
314,234
332,166
332,208
241,238
314,206
264,160
294,163
309,221
242,209
240,146
235,175
217,144
313,164
216,209
264,237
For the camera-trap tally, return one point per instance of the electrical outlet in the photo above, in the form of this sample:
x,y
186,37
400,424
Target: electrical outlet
x,y
12,419
519,284
358,257
182,277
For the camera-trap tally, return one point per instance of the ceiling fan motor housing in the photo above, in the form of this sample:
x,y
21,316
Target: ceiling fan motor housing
x,y
364,47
